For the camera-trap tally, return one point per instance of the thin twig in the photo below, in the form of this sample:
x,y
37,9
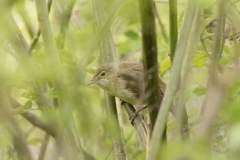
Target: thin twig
x,y
33,119
216,87
138,123
109,152
36,36
161,24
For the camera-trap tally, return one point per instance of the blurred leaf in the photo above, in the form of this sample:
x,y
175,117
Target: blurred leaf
x,y
24,108
59,39
30,95
28,105
169,125
52,93
195,122
165,65
199,59
131,34
189,92
87,12
200,91
40,55
227,50
226,60
141,156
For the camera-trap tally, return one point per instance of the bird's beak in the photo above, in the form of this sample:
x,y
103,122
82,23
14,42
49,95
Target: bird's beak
x,y
90,82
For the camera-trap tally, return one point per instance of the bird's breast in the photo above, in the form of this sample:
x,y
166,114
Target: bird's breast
x,y
130,93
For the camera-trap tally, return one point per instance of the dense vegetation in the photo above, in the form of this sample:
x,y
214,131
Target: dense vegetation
x,y
50,49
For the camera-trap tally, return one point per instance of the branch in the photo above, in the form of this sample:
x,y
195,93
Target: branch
x,y
44,147
138,123
34,120
66,15
13,128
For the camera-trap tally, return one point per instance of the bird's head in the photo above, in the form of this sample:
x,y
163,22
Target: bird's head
x,y
103,76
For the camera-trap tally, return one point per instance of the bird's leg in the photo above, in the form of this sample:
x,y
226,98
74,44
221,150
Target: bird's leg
x,y
132,112
136,113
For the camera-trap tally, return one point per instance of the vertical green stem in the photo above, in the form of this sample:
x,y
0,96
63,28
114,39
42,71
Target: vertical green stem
x,y
172,86
154,97
173,32
60,84
109,54
173,27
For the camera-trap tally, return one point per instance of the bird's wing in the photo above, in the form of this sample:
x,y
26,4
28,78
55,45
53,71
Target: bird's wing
x,y
132,72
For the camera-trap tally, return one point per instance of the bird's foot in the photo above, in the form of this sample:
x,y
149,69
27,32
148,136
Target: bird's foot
x,y
133,117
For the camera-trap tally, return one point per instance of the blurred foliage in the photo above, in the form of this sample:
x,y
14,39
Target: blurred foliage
x,y
22,77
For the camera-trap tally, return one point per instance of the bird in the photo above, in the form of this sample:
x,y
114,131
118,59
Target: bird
x,y
124,80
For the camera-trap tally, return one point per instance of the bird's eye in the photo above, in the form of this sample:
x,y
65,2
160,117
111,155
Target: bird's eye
x,y
103,73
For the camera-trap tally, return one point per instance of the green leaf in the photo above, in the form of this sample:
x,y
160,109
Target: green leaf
x,y
52,93
226,60
59,39
200,91
24,108
141,156
170,125
165,65
227,50
131,34
199,59
189,92
30,95
28,105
